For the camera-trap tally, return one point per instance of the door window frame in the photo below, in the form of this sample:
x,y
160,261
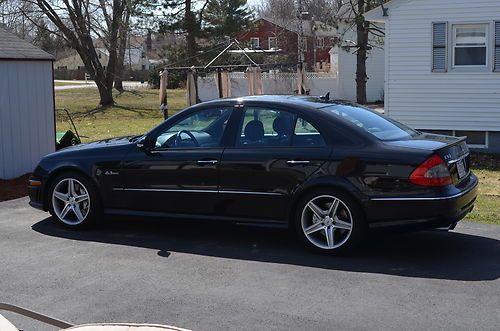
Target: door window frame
x,y
238,117
225,138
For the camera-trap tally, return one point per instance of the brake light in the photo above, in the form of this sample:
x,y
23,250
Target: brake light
x,y
433,172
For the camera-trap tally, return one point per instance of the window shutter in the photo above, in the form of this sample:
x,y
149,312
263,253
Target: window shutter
x,y
497,46
439,49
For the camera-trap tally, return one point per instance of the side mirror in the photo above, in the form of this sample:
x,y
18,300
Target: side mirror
x,y
145,144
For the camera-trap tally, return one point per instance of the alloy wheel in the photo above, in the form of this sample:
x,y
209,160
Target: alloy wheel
x,y
327,222
71,201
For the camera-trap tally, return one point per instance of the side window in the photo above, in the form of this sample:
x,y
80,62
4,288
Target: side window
x,y
202,129
306,135
265,127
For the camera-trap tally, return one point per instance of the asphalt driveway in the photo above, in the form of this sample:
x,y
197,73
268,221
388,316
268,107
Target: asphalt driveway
x,y
210,277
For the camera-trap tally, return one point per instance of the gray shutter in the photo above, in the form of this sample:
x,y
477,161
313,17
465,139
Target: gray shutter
x,y
439,49
497,46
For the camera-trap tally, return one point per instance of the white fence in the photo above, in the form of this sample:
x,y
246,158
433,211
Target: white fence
x,y
318,83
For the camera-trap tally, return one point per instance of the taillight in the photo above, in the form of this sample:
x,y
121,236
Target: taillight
x,y
433,172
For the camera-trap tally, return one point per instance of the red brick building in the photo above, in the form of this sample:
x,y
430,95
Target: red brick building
x,y
282,37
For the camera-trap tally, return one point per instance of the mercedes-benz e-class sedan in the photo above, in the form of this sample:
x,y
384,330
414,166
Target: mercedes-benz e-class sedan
x,y
330,170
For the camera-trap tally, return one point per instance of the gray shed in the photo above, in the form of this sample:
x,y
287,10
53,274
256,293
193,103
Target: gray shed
x,y
27,122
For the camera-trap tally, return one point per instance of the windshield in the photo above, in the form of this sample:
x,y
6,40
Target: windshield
x,y
378,125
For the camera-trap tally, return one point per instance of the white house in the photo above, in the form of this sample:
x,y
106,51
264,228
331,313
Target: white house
x,y
27,129
135,58
343,60
443,66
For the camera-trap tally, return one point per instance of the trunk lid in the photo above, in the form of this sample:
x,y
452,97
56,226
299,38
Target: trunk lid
x,y
453,150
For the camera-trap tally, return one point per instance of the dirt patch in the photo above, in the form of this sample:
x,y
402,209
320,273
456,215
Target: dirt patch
x,y
485,161
14,188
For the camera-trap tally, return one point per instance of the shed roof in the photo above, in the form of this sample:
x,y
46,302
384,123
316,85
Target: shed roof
x,y
14,48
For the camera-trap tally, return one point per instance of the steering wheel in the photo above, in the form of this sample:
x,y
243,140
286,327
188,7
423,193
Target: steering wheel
x,y
178,139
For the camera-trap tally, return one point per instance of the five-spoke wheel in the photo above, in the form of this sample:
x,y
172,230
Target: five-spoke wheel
x,y
329,221
72,200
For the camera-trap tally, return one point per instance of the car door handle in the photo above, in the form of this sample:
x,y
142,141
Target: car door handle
x,y
207,162
297,162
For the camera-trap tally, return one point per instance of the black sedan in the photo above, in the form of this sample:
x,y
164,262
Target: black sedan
x,y
331,170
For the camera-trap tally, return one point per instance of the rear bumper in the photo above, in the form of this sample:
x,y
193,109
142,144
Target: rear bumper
x,y
423,212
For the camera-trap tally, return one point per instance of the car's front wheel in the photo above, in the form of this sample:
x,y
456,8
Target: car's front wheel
x,y
329,221
74,201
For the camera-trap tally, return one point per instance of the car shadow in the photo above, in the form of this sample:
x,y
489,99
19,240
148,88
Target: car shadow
x,y
426,254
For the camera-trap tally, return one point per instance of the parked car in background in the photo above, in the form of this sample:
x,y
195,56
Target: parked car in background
x,y
330,170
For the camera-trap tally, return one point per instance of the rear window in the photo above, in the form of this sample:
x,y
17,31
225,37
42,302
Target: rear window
x,y
372,122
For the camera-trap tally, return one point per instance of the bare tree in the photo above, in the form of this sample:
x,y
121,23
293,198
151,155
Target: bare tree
x,y
368,36
12,17
79,22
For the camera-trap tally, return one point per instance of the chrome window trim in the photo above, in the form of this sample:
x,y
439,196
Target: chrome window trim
x,y
458,195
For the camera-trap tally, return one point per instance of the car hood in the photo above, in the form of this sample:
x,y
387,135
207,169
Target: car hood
x,y
94,146
426,141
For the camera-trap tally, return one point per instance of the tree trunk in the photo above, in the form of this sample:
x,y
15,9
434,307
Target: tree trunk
x,y
362,43
105,94
122,45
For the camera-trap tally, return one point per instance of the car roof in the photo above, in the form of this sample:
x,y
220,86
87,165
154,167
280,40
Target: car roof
x,y
306,101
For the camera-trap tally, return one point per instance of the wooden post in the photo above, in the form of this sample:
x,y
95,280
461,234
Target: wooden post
x,y
219,83
163,93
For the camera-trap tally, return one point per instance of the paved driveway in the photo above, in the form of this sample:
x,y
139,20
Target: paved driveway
x,y
209,277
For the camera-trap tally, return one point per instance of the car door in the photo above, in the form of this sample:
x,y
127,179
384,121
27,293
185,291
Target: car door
x,y
180,174
274,152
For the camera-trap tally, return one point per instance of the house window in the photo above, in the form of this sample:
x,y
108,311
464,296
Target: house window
x,y
474,138
81,67
470,45
254,43
320,42
272,43
62,67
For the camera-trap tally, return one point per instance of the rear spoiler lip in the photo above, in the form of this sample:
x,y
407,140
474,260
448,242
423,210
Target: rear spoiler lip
x,y
457,142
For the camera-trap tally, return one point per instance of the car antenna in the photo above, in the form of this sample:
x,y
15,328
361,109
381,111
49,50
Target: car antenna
x,y
325,97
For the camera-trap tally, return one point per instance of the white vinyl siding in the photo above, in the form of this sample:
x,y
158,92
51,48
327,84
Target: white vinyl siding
x,y
456,100
26,115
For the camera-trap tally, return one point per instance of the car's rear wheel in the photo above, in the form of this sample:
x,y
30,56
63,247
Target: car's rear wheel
x,y
74,201
330,221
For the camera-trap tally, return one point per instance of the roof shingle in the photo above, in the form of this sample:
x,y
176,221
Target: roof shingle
x,y
12,47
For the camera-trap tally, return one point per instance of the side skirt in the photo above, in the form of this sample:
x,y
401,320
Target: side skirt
x,y
173,216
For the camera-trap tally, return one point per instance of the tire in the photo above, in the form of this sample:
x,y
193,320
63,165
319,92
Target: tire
x,y
76,210
338,234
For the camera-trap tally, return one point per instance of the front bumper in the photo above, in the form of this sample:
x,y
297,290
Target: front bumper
x,y
423,212
36,194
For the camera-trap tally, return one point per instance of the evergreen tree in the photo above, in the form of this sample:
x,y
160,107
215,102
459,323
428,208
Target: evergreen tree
x,y
226,18
44,39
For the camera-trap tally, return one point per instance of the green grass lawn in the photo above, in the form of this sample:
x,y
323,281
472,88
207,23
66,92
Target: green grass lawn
x,y
487,209
136,112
